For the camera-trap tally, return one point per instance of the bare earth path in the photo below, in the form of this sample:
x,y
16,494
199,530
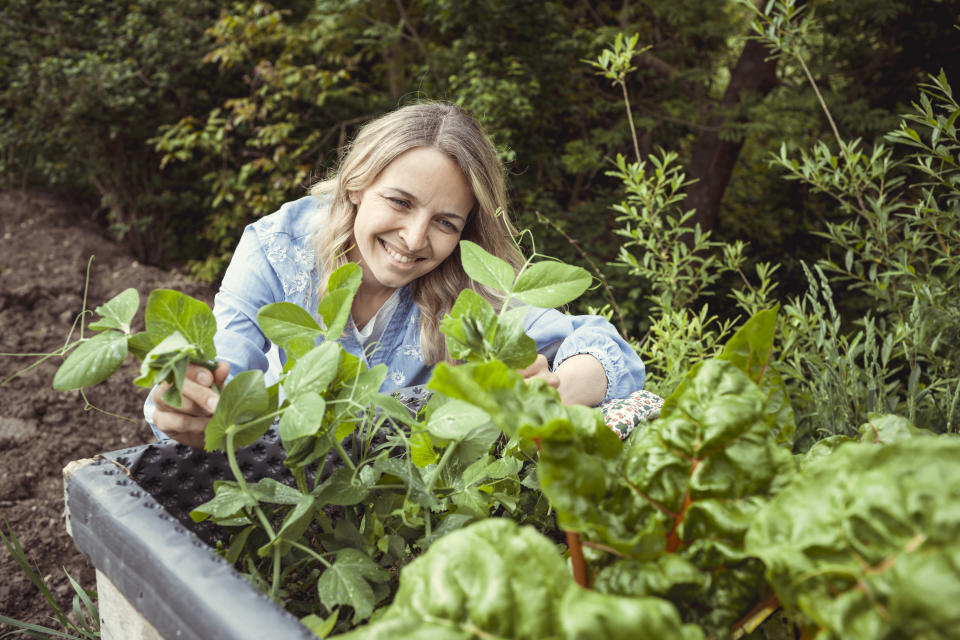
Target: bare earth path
x,y
45,244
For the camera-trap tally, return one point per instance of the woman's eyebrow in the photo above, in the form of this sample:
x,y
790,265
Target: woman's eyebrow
x,y
409,196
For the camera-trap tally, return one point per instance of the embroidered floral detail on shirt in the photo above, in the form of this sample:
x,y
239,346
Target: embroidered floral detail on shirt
x,y
398,378
411,351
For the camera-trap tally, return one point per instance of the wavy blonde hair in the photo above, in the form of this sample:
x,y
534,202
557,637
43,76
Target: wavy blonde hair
x,y
452,131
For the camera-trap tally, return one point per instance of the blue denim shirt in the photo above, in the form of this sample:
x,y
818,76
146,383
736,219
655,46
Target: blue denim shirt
x,y
275,262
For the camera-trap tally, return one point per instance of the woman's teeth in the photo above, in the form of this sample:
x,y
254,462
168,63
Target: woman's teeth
x,y
396,256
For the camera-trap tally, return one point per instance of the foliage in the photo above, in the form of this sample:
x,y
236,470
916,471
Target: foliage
x,y
864,543
82,88
85,624
518,587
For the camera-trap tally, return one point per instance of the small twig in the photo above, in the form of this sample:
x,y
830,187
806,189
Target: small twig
x,y
112,461
576,245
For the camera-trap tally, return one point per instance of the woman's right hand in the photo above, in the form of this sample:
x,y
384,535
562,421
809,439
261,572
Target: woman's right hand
x,y
187,423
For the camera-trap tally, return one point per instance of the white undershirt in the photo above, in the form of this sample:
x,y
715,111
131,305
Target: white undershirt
x,y
373,330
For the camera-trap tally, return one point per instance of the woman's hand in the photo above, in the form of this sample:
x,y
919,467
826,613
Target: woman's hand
x,y
579,379
541,369
187,423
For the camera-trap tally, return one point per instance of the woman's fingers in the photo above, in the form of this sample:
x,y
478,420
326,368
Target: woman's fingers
x,y
188,422
541,369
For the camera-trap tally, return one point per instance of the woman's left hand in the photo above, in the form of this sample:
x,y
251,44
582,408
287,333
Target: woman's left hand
x,y
541,369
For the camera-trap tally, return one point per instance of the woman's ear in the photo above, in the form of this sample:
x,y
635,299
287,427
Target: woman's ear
x,y
354,197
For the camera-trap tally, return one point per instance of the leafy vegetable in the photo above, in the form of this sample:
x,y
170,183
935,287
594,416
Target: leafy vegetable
x,y
866,541
497,580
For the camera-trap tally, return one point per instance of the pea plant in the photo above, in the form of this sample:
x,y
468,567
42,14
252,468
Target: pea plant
x,y
373,486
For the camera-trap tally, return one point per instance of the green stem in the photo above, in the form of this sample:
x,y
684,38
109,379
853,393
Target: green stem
x,y
310,551
338,446
447,454
275,584
633,131
242,483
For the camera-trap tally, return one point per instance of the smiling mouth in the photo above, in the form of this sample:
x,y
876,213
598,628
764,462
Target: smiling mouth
x,y
399,257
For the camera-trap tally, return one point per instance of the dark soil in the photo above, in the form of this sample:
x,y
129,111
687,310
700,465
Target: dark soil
x,y
45,244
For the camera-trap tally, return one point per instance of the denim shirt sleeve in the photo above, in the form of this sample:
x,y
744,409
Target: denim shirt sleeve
x,y
272,263
593,335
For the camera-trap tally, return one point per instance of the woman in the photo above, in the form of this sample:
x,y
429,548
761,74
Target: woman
x,y
411,186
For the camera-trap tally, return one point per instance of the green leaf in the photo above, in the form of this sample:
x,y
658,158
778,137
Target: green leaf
x,y
228,502
486,268
93,361
319,626
303,417
290,327
551,284
243,400
455,419
866,541
470,327
347,582
294,524
343,488
315,371
334,308
140,344
273,492
422,452
884,429
498,580
751,349
170,311
118,312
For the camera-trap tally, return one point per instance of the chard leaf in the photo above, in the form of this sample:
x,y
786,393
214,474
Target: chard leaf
x,y
118,312
170,311
884,429
496,579
864,542
243,400
486,268
347,582
93,361
290,327
551,284
334,308
751,349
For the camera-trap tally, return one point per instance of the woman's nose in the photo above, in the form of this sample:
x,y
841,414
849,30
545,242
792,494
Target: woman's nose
x,y
414,232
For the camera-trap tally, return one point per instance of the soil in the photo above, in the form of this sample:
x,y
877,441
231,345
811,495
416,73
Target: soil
x,y
45,245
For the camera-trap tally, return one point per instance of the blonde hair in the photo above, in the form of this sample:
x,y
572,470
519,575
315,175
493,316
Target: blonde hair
x,y
452,131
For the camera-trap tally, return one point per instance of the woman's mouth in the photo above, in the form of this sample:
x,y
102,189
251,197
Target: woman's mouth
x,y
399,257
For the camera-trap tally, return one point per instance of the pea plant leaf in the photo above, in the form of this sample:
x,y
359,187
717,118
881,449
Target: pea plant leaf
x,y
92,361
243,399
290,327
227,503
170,311
118,312
167,361
486,268
303,417
315,371
347,582
334,308
551,284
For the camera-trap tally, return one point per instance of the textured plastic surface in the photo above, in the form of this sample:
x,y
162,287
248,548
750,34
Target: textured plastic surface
x,y
173,578
129,513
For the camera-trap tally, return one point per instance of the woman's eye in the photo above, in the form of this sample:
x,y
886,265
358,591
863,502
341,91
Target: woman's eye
x,y
449,226
399,202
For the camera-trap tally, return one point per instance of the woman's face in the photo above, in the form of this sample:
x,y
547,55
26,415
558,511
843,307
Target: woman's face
x,y
410,219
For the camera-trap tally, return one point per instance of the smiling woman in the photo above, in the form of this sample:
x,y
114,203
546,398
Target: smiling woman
x,y
412,185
